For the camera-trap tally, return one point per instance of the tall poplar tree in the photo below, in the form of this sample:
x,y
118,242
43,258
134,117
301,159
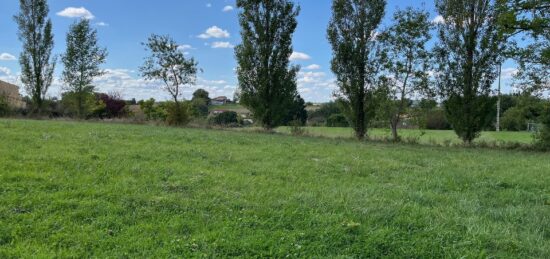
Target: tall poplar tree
x,y
267,81
468,53
81,61
37,64
352,34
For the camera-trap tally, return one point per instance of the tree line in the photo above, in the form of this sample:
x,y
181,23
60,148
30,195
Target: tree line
x,y
377,69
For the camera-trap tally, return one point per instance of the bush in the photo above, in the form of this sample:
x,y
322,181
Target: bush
x,y
514,119
226,118
436,120
543,136
152,111
5,109
177,114
199,108
337,120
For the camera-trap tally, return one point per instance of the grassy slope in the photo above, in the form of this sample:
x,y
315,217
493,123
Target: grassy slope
x,y
437,136
83,189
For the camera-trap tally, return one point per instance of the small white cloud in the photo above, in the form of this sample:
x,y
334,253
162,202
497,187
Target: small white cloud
x,y
509,72
227,8
438,20
7,57
209,5
299,56
214,32
102,24
222,45
185,47
76,12
4,71
313,67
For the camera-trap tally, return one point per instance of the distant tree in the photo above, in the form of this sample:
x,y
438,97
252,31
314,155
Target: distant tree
x,y
352,34
81,61
267,83
406,62
37,64
522,19
167,63
298,113
467,54
201,94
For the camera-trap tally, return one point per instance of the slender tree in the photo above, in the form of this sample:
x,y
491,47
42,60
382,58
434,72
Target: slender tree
x,y
168,64
81,61
406,62
37,64
352,33
467,56
267,81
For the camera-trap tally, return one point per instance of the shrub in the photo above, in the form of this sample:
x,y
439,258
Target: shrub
x,y
436,120
199,107
114,105
177,114
297,129
5,109
337,120
514,119
543,136
152,111
226,118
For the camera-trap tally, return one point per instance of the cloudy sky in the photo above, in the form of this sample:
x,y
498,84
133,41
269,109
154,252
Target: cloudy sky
x,y
205,29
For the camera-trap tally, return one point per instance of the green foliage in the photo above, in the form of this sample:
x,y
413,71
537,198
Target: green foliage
x,y
80,104
297,112
436,120
199,107
201,94
467,55
5,109
168,64
152,111
406,61
37,65
223,194
177,114
543,136
319,117
351,33
81,64
337,120
267,81
226,118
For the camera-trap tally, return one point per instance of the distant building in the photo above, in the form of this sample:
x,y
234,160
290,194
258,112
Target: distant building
x,y
11,93
220,100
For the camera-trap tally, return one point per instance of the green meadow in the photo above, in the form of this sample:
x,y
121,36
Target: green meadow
x,y
79,189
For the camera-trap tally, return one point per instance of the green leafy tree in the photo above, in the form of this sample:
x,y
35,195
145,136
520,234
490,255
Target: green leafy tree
x,y
522,19
406,61
352,34
168,65
37,64
81,61
201,94
467,54
267,81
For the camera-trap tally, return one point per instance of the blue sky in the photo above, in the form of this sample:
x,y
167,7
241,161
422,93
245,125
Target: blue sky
x,y
206,29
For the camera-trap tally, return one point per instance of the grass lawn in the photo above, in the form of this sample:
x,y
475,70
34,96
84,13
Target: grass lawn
x,y
70,189
424,137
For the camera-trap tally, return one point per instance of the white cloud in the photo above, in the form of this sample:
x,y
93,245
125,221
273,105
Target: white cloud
x,y
76,12
214,32
7,57
313,67
227,8
222,45
299,56
102,24
438,20
4,71
209,5
508,73
185,47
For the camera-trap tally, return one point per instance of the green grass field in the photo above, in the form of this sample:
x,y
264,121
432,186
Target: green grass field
x,y
424,136
71,189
